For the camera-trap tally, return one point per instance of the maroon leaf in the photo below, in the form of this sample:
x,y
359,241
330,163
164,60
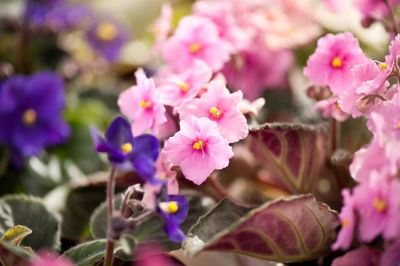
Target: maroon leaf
x,y
285,230
293,154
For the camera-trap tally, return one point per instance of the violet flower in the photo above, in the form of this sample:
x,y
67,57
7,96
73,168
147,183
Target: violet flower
x,y
125,151
30,113
67,17
174,210
36,10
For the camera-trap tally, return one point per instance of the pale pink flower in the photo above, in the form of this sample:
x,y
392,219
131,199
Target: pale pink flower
x,y
162,27
198,148
221,106
255,69
332,61
348,222
331,108
375,9
142,105
196,38
185,86
252,108
166,129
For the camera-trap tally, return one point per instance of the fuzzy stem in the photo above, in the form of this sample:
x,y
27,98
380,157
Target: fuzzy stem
x,y
110,199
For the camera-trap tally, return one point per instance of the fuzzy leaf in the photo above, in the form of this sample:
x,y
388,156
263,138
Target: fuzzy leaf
x,y
293,153
284,230
16,234
31,212
87,253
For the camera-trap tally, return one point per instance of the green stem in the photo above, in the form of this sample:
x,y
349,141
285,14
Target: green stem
x,y
4,162
110,199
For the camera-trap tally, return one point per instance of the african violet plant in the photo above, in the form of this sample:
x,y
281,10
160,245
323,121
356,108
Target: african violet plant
x,y
190,159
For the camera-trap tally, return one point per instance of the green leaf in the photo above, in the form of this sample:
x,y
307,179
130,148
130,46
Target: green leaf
x,y
153,229
87,253
292,153
16,234
13,255
30,211
284,230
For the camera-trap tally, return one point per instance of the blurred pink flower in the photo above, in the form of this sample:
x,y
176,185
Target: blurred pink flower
x,y
221,106
162,27
331,108
48,258
198,148
375,9
152,254
142,105
348,222
332,61
247,107
185,86
196,38
362,256
391,256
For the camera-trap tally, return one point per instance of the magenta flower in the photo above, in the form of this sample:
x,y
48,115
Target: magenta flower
x,y
48,258
332,61
185,86
142,105
375,9
198,148
361,256
219,105
196,38
348,222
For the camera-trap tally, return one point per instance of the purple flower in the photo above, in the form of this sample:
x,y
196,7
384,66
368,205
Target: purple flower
x,y
30,112
67,17
107,38
173,209
125,151
37,10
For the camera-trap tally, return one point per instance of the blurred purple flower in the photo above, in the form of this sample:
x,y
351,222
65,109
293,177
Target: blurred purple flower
x,y
173,209
125,151
30,112
67,17
36,10
107,38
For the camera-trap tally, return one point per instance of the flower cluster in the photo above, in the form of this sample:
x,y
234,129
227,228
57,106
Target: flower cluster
x,y
360,86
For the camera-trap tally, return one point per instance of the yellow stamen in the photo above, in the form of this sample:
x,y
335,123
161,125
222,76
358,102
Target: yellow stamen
x,y
383,66
398,124
379,204
345,223
215,112
163,176
146,104
106,31
195,47
29,117
183,86
126,148
169,207
337,106
198,145
336,62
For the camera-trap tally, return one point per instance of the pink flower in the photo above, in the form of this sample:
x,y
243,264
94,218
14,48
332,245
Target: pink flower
x,y
255,69
362,256
391,256
198,148
332,61
163,171
142,105
348,222
196,38
48,258
330,108
162,26
247,107
218,105
375,9
185,86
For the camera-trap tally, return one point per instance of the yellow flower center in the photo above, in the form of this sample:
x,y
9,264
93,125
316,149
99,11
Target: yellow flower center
x,y
163,176
126,148
169,207
379,204
195,47
345,223
183,86
215,112
336,62
29,117
398,124
198,145
146,104
383,66
106,31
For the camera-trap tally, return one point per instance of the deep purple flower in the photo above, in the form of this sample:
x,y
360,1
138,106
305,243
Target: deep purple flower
x,y
30,112
67,17
107,38
173,209
37,10
127,152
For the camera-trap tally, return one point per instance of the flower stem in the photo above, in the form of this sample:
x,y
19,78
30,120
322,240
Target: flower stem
x,y
334,135
4,162
110,199
392,17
